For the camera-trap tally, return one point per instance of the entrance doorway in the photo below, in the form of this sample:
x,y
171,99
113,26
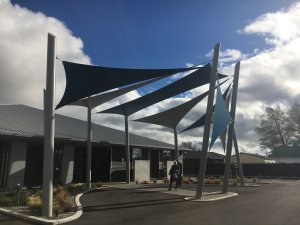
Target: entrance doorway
x,y
101,157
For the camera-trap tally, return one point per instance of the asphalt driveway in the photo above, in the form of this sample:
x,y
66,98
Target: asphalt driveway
x,y
270,204
277,203
7,220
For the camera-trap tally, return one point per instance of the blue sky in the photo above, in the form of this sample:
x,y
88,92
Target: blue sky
x,y
263,35
156,34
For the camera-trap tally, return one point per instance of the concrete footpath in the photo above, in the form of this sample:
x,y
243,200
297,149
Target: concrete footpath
x,y
269,204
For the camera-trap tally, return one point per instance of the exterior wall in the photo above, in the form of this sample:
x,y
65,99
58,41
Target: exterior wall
x,y
24,163
4,152
17,163
286,152
67,166
287,160
276,170
142,170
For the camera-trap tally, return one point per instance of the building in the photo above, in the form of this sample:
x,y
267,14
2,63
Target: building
x,y
247,158
290,154
191,163
282,163
212,157
21,149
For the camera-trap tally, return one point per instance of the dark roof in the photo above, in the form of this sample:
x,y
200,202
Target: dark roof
x,y
197,155
291,151
253,155
25,121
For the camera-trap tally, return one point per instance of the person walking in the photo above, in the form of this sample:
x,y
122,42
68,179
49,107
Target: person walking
x,y
174,173
179,178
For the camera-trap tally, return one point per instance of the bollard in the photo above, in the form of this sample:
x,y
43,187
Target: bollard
x,y
18,194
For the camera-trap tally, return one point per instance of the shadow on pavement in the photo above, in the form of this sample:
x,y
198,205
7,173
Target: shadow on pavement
x,y
104,207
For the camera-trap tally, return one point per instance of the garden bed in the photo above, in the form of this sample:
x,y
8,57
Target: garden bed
x,y
29,201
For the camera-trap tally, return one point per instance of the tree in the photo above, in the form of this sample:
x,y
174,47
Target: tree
x,y
294,119
275,128
186,144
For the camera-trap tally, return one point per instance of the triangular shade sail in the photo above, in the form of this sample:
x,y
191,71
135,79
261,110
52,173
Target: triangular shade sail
x,y
197,78
224,133
97,100
171,118
86,80
200,122
221,116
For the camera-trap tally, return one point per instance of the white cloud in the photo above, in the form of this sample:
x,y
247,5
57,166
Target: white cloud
x,y
23,44
228,56
180,75
189,64
271,76
267,76
279,27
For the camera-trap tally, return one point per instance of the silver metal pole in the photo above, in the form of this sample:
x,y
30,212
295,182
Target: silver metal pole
x,y
49,128
210,102
110,166
2,167
127,150
176,144
89,148
231,128
238,159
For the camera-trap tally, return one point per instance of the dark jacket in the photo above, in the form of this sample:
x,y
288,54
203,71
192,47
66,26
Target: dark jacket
x,y
174,172
180,167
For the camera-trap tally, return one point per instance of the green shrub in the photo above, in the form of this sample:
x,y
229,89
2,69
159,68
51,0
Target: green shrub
x,y
11,199
74,187
97,184
39,192
10,194
22,197
208,181
57,189
34,203
217,181
60,202
7,201
185,180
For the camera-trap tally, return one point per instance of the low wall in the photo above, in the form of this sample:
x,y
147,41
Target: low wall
x,y
263,170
